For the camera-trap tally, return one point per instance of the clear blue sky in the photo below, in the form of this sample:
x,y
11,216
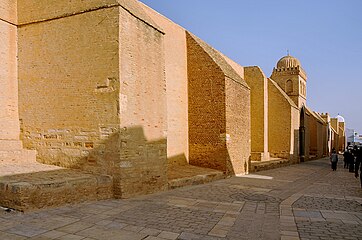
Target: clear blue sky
x,y
325,35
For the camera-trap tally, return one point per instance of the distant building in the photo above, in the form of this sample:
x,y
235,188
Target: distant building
x,y
353,138
357,140
350,133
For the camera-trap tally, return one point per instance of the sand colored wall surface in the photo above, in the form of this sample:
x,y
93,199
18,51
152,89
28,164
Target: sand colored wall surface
x,y
113,87
68,99
281,140
9,118
313,148
8,11
342,137
208,111
294,131
78,113
143,109
317,129
259,114
237,126
176,84
207,128
31,11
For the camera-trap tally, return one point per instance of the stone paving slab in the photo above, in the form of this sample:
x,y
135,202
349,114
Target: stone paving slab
x,y
305,201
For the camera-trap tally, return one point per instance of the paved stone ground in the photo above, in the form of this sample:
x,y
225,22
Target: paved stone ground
x,y
305,201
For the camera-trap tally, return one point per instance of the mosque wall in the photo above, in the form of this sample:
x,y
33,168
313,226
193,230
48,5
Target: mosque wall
x,y
342,137
8,11
78,113
143,109
9,118
67,98
281,118
238,120
257,81
176,85
317,129
206,109
313,147
212,85
237,127
294,132
113,87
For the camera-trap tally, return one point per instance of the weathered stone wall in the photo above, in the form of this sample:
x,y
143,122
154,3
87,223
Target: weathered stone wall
x,y
93,95
207,120
31,11
317,141
8,11
342,137
176,84
294,131
68,89
213,85
237,126
281,139
143,109
259,114
313,147
238,121
307,135
9,118
320,142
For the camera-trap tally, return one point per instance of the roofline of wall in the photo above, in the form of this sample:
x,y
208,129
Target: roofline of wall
x,y
92,10
7,21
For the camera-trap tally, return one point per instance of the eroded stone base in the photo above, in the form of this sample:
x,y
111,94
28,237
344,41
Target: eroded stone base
x,y
187,175
30,185
259,156
257,166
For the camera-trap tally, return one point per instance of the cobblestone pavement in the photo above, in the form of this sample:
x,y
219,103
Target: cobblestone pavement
x,y
304,201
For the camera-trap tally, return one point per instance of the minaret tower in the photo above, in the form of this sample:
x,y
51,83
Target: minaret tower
x,y
291,77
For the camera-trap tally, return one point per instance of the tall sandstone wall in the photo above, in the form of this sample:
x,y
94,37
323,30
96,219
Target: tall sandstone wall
x,y
258,83
283,122
237,127
143,108
92,90
68,88
9,117
176,84
317,135
216,95
238,119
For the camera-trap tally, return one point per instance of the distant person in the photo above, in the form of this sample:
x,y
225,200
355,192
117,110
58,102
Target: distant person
x,y
350,161
358,165
346,158
353,158
334,159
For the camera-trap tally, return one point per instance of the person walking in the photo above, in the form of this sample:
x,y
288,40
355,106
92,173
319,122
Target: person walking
x,y
346,158
354,155
358,165
350,161
334,159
